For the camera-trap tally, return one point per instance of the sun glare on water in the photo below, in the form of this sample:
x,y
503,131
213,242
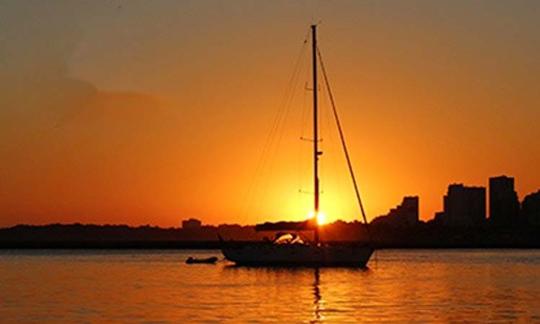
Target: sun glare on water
x,y
321,217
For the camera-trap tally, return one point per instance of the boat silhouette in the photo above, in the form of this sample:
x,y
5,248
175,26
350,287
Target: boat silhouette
x,y
288,249
209,260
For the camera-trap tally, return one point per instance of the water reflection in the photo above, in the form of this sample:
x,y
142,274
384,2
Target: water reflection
x,y
317,296
304,288
407,286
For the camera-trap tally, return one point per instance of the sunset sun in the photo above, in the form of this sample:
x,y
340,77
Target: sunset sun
x,y
321,217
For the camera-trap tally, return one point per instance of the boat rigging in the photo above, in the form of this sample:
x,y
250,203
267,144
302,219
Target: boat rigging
x,y
296,251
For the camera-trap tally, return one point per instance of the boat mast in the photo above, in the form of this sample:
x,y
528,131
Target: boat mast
x,y
316,151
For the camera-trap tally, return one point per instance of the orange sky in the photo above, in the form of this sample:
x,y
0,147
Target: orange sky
x,y
148,112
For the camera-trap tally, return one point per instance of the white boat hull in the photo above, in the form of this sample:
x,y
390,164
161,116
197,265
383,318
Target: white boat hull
x,y
298,255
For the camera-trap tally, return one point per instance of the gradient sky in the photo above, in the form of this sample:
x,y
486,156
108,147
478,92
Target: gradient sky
x,y
148,112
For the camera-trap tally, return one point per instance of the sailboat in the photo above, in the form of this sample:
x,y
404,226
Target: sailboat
x,y
289,249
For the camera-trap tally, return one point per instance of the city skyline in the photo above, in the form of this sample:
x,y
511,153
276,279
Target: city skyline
x,y
463,206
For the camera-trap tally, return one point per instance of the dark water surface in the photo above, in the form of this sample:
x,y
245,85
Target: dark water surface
x,y
156,286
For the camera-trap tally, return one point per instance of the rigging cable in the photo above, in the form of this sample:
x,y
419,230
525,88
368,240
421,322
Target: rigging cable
x,y
280,128
271,137
343,144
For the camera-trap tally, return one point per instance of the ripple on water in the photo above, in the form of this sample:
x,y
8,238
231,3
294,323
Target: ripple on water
x,y
155,286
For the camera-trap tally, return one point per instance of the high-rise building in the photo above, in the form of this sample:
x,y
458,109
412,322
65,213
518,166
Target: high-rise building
x,y
463,206
503,201
405,214
530,208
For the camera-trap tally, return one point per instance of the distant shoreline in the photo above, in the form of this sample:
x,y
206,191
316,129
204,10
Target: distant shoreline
x,y
122,237
215,245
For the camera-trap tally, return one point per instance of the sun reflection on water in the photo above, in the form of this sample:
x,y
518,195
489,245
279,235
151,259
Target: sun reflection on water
x,y
156,286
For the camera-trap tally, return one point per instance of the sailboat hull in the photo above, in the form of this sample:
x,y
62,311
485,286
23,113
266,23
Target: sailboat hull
x,y
299,255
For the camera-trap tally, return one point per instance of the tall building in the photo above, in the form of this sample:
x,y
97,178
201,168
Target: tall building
x,y
503,201
463,206
405,214
530,208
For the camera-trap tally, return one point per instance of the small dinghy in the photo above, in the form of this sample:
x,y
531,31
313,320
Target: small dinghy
x,y
210,260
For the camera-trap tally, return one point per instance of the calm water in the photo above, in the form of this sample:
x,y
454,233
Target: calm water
x,y
156,286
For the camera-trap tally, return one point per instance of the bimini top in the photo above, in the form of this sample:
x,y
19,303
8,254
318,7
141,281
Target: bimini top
x,y
306,225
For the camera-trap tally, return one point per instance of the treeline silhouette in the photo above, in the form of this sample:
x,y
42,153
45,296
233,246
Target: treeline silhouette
x,y
381,235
